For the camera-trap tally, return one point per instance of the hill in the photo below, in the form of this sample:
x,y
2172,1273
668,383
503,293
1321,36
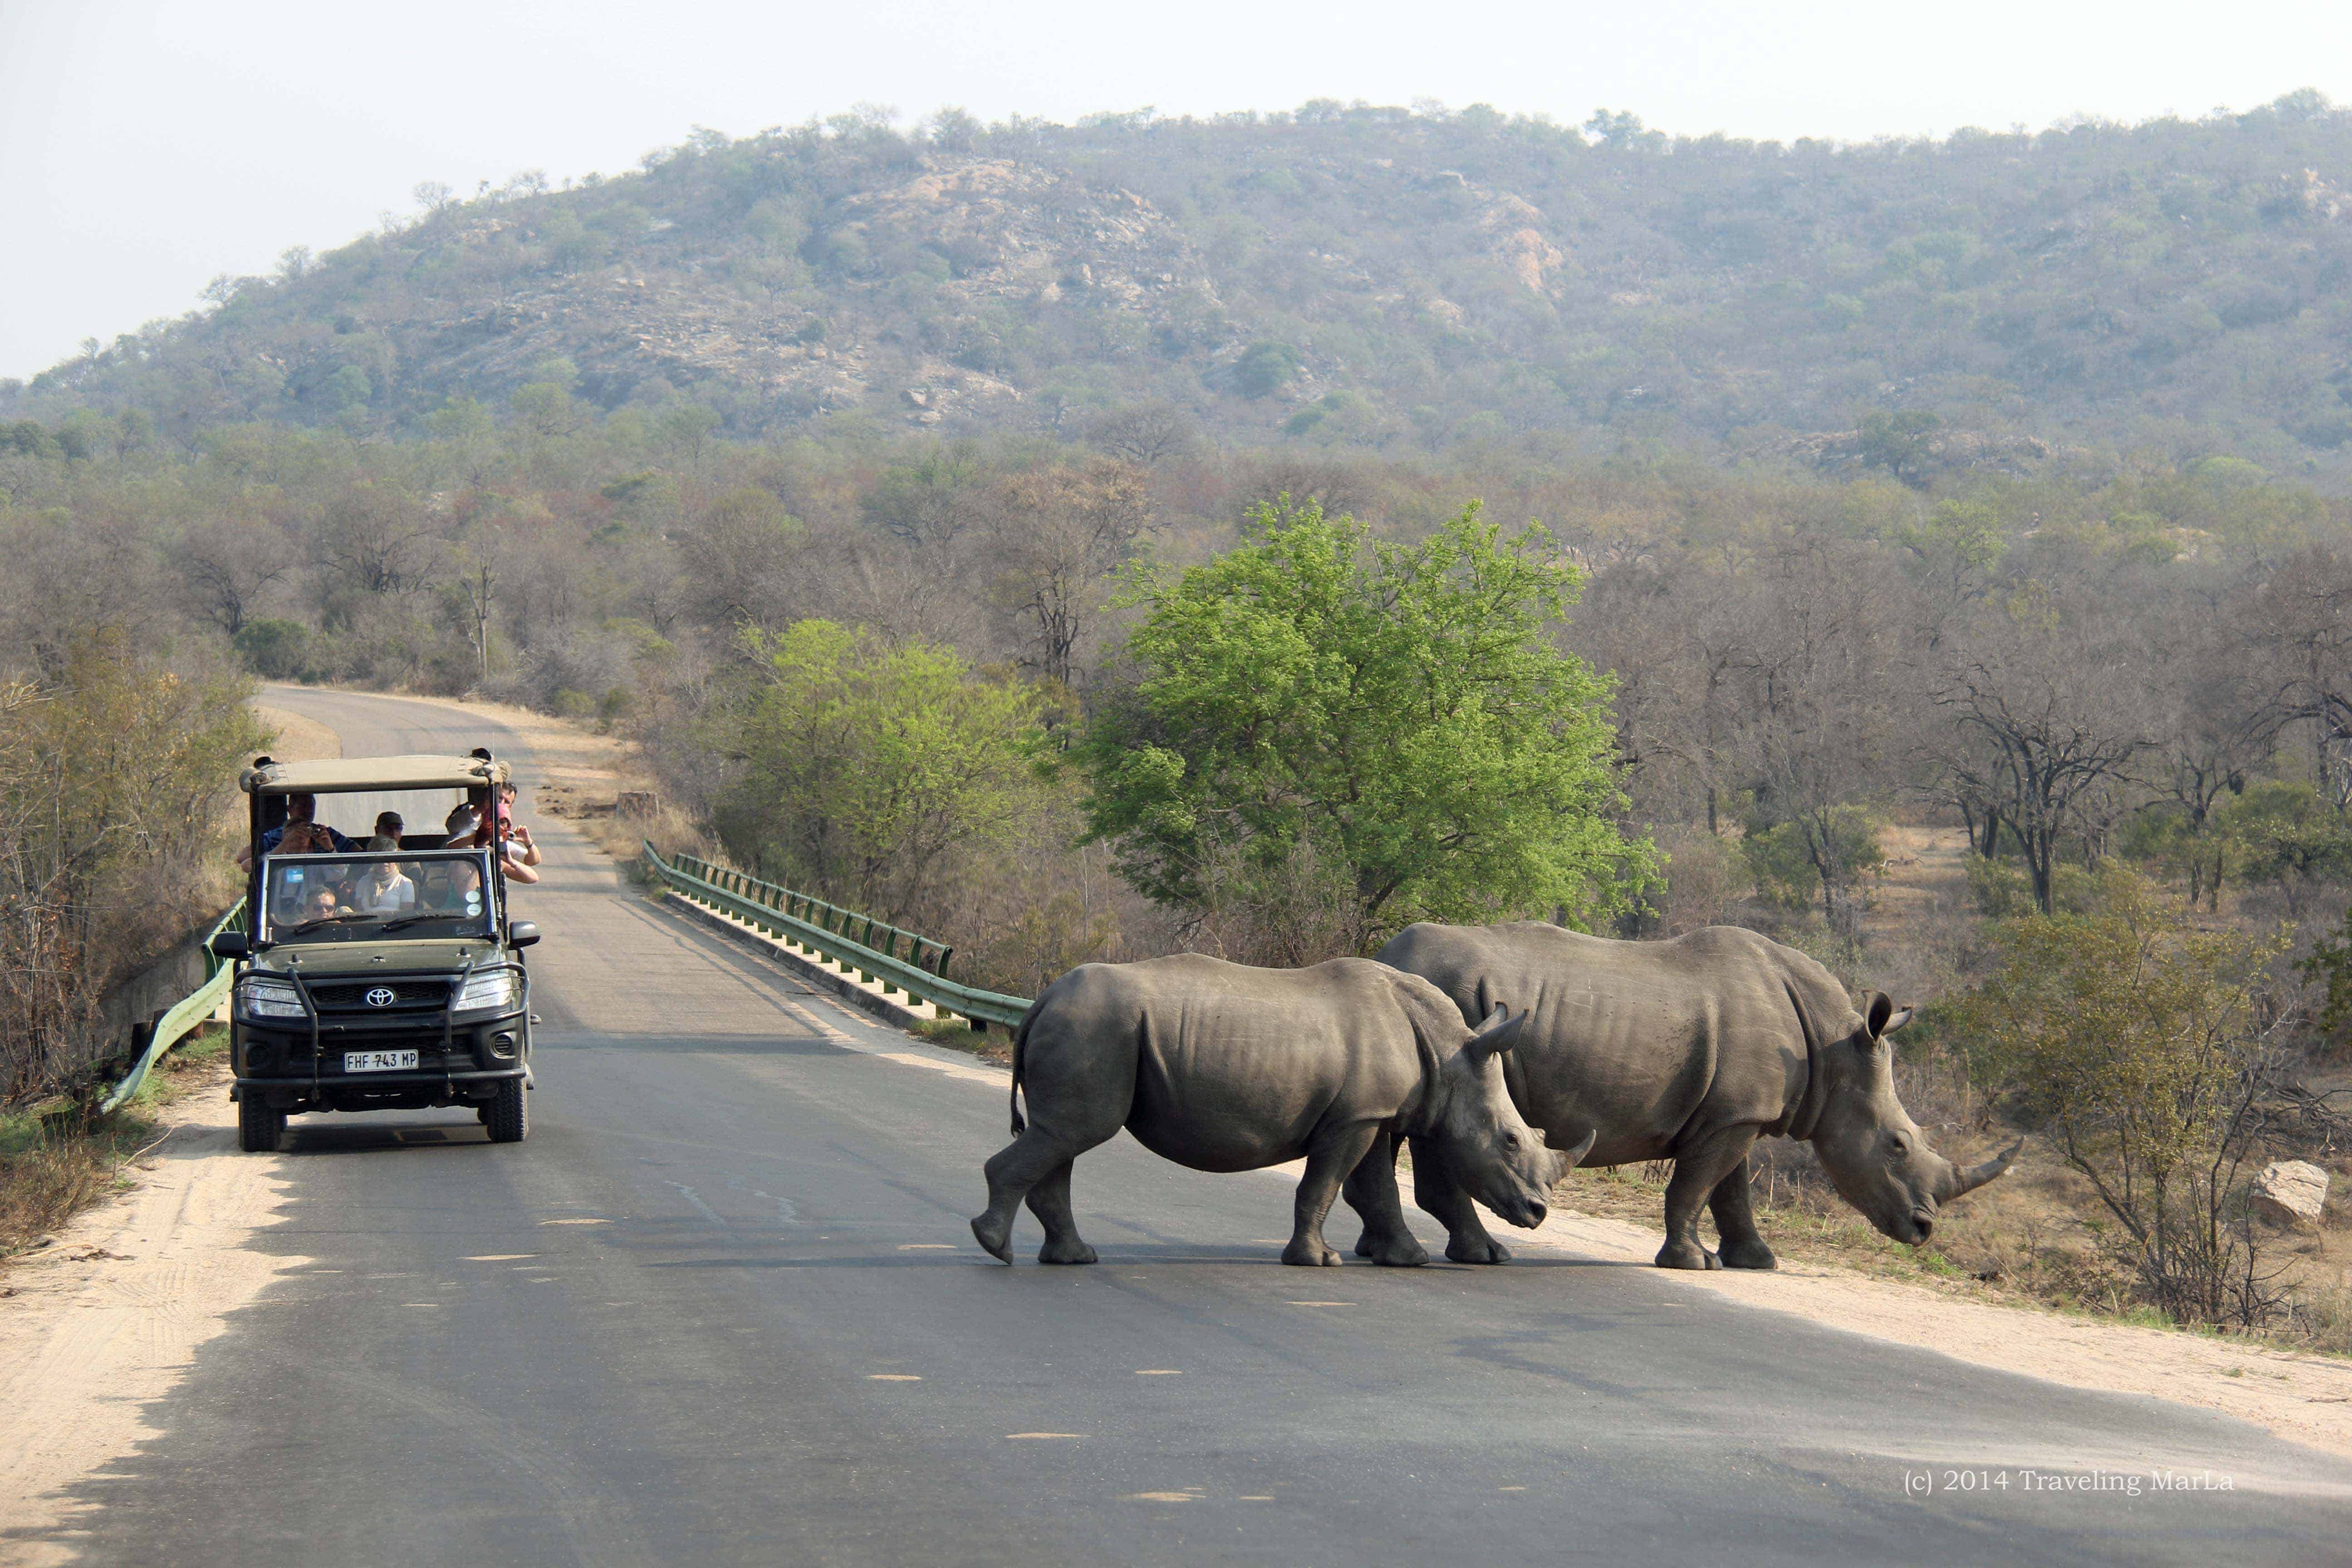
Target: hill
x,y
1354,277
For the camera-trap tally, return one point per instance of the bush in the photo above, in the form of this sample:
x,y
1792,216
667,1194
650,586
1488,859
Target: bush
x,y
276,650
2132,1038
865,770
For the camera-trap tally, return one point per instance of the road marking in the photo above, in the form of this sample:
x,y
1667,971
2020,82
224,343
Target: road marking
x,y
1158,1372
1253,1498
892,1377
500,1257
927,1246
1010,1435
1161,1496
575,1221
1510,1489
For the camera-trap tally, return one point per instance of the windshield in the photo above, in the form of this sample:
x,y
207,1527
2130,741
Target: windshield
x,y
363,897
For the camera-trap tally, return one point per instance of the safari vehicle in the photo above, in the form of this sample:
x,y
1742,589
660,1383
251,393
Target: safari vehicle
x,y
385,979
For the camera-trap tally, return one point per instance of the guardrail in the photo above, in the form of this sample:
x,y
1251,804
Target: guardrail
x,y
783,913
183,1015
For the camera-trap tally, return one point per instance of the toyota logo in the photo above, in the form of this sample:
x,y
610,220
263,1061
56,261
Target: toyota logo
x,y
383,996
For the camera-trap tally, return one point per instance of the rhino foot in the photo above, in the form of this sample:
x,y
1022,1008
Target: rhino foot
x,y
1476,1249
1068,1250
1687,1254
1750,1253
1392,1252
1310,1255
997,1240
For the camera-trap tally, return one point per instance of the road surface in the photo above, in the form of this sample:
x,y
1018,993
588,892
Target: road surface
x,y
723,1307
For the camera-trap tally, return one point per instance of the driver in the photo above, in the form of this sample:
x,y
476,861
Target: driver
x,y
457,892
321,905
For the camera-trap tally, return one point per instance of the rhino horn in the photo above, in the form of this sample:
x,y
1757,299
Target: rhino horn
x,y
1570,1157
1962,1183
1499,1033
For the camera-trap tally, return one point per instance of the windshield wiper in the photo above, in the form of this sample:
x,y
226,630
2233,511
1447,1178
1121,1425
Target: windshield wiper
x,y
392,925
284,931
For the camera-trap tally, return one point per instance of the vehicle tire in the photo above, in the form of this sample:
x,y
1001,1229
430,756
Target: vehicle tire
x,y
260,1126
509,1116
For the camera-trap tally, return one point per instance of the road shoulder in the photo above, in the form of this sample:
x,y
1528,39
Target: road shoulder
x,y
108,1317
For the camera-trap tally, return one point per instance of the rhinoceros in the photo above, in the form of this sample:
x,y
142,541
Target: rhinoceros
x,y
1690,1050
1224,1068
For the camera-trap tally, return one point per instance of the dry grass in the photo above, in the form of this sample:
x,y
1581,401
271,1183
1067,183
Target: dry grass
x,y
994,1046
53,1165
2022,1241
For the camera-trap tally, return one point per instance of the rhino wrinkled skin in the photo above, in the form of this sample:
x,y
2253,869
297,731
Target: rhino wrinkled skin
x,y
1222,1067
1689,1051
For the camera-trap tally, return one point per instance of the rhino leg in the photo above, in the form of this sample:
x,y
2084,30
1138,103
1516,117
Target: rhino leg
x,y
1739,1244
1372,1191
1435,1194
1049,1200
1016,1171
1699,1169
1330,1159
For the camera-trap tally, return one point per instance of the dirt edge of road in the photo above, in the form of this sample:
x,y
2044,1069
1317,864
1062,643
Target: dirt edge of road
x,y
109,1316
2304,1399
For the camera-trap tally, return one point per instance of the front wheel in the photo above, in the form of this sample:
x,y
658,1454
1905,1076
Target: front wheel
x,y
509,1116
260,1126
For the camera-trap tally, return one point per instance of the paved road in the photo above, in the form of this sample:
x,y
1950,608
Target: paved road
x,y
723,1307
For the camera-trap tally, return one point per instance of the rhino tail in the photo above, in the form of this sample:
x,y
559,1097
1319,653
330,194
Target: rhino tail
x,y
1020,1043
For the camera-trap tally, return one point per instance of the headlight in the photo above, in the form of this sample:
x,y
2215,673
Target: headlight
x,y
499,991
259,996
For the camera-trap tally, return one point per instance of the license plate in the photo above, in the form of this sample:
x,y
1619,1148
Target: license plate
x,y
378,1061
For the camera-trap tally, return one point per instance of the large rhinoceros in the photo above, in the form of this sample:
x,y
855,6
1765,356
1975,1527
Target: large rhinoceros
x,y
1689,1051
1222,1067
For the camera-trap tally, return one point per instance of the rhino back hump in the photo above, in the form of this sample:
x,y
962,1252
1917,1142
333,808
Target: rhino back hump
x,y
1636,1039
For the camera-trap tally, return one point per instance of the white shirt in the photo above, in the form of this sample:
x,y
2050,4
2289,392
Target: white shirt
x,y
392,898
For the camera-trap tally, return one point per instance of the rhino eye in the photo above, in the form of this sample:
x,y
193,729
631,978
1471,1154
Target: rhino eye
x,y
1510,1140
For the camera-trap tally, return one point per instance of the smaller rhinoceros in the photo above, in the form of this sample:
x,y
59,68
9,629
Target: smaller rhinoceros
x,y
1224,1068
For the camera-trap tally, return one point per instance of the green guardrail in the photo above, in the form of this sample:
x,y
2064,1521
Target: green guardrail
x,y
801,920
183,1015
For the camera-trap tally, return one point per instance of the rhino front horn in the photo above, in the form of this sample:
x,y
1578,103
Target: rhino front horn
x,y
1969,1181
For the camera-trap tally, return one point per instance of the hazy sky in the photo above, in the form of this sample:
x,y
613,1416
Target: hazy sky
x,y
147,146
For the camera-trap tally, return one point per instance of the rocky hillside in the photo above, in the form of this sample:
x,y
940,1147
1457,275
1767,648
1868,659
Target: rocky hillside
x,y
1349,277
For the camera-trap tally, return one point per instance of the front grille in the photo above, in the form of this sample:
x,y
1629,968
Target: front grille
x,y
352,996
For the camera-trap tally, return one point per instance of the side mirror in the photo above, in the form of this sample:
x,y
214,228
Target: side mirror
x,y
231,944
521,933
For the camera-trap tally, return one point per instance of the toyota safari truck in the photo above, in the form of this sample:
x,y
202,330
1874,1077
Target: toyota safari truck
x,y
382,970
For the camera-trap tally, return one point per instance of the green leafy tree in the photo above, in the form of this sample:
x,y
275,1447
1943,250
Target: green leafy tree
x,y
1266,368
2132,1039
1393,718
865,771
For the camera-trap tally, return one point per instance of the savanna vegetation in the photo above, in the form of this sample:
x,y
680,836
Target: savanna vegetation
x,y
1903,566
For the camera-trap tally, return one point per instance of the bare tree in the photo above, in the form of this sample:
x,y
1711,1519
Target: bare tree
x,y
223,568
1056,537
2301,617
2059,708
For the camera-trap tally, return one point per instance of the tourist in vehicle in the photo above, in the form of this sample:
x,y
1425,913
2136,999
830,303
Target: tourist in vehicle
x,y
388,824
521,853
456,888
300,810
382,889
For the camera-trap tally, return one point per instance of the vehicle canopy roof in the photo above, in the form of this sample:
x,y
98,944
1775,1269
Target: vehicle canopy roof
x,y
345,776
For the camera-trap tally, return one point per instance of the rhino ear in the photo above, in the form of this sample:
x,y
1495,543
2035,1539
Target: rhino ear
x,y
1499,1033
1884,1016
